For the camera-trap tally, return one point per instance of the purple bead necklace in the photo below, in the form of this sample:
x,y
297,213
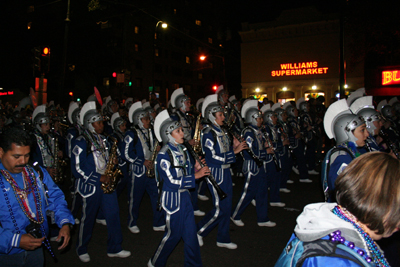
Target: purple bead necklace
x,y
374,254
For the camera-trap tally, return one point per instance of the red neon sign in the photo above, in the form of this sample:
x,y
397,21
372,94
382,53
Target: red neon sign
x,y
301,68
7,93
390,77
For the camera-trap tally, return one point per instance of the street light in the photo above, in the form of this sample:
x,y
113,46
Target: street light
x,y
257,90
164,25
284,88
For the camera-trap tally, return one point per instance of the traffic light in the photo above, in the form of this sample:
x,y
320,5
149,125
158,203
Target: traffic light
x,y
36,58
130,83
45,60
114,74
71,93
215,88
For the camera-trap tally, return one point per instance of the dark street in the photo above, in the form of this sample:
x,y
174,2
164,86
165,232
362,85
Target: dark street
x,y
257,246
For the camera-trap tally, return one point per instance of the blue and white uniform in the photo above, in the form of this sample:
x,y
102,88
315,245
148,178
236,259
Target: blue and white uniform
x,y
88,164
256,185
273,174
138,146
297,145
219,155
177,176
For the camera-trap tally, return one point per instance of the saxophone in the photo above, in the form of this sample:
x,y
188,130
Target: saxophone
x,y
196,136
150,172
110,186
58,164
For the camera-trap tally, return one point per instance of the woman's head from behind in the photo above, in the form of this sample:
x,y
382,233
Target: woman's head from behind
x,y
369,188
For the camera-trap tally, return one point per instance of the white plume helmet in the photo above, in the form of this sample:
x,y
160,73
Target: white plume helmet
x,y
299,101
114,118
361,103
91,98
362,90
73,106
275,106
199,103
164,125
334,111
219,89
128,101
24,102
137,106
265,108
248,105
232,99
354,96
210,106
146,105
381,105
178,98
87,107
286,105
39,111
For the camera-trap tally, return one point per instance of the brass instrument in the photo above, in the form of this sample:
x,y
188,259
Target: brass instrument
x,y
391,145
112,173
151,171
58,164
196,137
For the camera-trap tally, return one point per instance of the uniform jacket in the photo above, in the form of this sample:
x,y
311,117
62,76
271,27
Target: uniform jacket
x,y
55,201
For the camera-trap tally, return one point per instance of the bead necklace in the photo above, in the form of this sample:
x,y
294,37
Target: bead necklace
x,y
96,141
375,255
22,199
22,195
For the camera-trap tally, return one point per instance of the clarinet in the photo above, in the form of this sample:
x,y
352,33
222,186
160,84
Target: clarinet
x,y
210,177
251,153
391,145
277,167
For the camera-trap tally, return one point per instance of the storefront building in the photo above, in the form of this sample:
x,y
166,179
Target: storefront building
x,y
295,56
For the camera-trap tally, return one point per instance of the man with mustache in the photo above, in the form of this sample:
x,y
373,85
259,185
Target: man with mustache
x,y
27,194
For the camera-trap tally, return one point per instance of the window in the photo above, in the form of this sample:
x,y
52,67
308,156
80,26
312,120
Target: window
x,y
187,60
156,52
200,76
210,40
29,25
198,22
175,85
106,81
138,48
174,11
136,29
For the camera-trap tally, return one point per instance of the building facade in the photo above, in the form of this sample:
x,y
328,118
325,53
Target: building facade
x,y
295,56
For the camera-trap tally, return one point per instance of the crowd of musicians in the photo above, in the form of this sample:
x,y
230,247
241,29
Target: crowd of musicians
x,y
182,153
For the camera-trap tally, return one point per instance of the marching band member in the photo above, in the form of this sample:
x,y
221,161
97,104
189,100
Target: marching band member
x,y
175,171
182,103
273,163
364,107
89,164
350,133
286,160
118,124
256,185
44,153
297,143
72,133
139,145
309,132
218,154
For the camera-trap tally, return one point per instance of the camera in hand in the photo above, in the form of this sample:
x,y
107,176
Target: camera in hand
x,y
34,230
